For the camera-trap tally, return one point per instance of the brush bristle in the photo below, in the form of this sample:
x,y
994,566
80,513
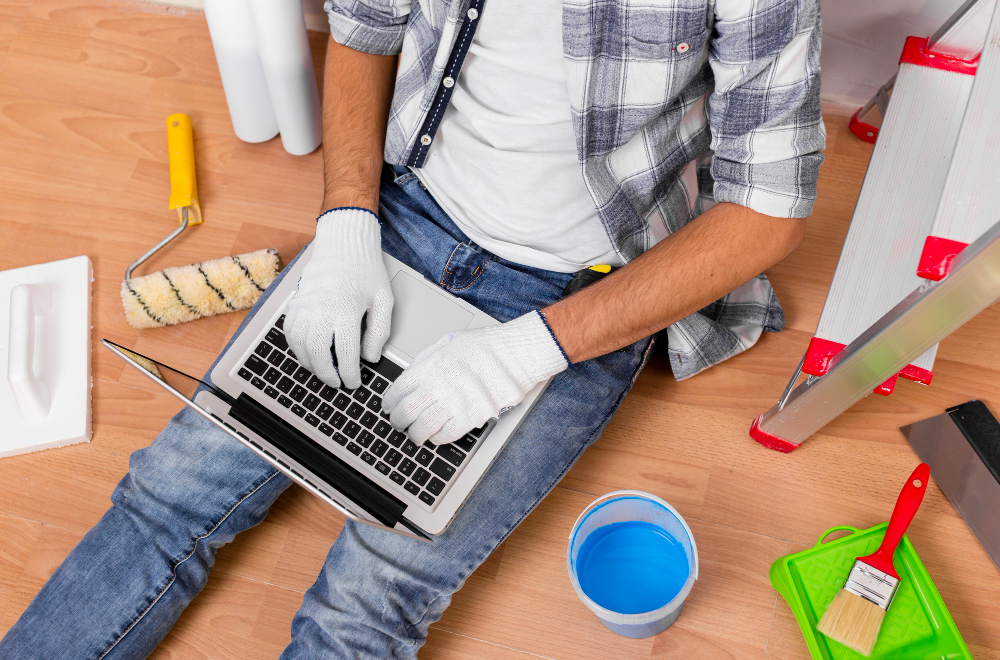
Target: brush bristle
x,y
853,621
178,295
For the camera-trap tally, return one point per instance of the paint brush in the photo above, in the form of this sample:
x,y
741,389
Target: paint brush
x,y
856,613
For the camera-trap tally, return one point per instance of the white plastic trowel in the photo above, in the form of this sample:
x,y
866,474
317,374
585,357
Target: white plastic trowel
x,y
45,355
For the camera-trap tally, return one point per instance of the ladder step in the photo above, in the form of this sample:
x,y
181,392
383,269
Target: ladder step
x,y
895,210
969,191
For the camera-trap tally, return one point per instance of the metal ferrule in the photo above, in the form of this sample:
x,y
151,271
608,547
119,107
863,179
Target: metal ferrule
x,y
871,584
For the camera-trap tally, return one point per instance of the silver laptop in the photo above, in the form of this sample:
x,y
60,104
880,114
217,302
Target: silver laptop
x,y
338,443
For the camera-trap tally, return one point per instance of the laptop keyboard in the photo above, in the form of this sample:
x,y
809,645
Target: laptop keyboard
x,y
354,419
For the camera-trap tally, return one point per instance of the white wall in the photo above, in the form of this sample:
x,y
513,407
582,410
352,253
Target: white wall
x,y
862,39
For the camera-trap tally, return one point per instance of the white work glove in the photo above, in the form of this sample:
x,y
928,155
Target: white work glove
x,y
344,280
467,377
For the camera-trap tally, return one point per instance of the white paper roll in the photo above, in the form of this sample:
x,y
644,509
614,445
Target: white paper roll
x,y
242,73
280,31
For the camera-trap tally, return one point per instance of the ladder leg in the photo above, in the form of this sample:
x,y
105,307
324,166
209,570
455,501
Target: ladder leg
x,y
922,319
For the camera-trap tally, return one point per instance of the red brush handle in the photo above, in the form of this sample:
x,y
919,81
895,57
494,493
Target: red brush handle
x,y
906,506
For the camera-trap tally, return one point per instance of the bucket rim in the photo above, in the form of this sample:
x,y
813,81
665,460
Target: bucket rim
x,y
642,617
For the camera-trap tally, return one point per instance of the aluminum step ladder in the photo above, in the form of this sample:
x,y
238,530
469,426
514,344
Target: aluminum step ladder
x,y
932,188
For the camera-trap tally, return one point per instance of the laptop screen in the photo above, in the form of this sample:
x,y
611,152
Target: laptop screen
x,y
185,385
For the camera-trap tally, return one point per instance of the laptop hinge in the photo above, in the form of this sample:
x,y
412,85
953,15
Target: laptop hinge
x,y
305,451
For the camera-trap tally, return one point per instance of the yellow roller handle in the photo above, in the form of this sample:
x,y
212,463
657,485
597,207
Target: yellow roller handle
x,y
183,189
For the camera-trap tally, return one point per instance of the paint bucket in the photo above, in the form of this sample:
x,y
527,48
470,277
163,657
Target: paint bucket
x,y
632,560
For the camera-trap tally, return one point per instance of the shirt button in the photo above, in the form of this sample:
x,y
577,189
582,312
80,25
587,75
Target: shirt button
x,y
448,82
683,47
473,14
425,140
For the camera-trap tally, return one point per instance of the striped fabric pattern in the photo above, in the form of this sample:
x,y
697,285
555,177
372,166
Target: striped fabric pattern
x,y
676,104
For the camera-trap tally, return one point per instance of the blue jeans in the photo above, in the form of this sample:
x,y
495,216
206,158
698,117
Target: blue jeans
x,y
190,492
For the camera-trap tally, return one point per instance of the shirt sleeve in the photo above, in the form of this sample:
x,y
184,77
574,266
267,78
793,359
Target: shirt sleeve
x,y
765,117
371,26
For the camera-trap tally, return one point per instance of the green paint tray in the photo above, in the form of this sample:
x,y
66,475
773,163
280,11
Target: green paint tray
x,y
917,625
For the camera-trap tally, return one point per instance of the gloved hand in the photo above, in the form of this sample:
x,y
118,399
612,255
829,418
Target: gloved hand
x,y
344,280
465,378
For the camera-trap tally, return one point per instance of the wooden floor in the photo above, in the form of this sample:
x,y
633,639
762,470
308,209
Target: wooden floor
x,y
84,91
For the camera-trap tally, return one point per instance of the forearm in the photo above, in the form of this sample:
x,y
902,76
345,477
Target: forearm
x,y
709,257
357,92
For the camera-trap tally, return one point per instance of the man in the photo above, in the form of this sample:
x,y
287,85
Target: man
x,y
525,140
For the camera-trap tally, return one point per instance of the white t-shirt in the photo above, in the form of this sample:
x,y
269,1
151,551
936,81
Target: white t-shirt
x,y
503,164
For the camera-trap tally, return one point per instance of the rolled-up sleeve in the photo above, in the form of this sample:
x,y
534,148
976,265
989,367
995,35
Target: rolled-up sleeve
x,y
765,117
371,26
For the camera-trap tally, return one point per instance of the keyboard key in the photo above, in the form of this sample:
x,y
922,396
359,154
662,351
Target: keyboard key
x,y
383,429
298,410
263,349
285,401
435,486
421,476
352,430
397,478
256,365
338,420
315,384
379,447
409,448
450,453
280,323
298,393
341,401
368,458
271,392
369,420
313,420
375,403
361,394
366,376
355,410
383,468
443,469
285,384
301,375
272,376
325,410
289,366
365,439
392,458
411,488
277,337
406,467
311,402
258,383
326,429
476,433
379,384
424,457
276,358
396,439
327,393
426,498
465,443
340,438
353,448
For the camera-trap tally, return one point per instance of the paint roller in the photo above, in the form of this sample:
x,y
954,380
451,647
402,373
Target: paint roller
x,y
186,293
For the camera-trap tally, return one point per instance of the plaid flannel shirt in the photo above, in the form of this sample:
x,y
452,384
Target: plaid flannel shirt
x,y
676,105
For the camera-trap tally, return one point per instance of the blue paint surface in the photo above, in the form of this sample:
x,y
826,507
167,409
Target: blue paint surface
x,y
631,567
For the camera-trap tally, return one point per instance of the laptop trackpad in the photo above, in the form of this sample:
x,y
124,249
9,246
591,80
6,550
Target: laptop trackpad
x,y
421,315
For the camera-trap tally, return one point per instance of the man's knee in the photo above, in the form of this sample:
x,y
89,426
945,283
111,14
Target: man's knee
x,y
189,480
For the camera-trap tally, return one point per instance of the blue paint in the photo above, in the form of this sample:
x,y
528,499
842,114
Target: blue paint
x,y
631,567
